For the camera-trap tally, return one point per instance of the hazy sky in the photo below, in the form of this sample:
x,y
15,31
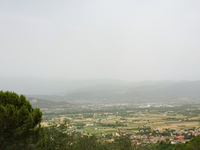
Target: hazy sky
x,y
87,39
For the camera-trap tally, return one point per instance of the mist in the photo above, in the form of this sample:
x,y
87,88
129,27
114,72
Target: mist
x,y
125,40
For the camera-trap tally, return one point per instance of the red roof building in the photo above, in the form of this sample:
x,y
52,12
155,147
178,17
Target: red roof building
x,y
180,138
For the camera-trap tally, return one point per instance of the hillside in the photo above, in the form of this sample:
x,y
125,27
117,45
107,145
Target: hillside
x,y
148,91
41,103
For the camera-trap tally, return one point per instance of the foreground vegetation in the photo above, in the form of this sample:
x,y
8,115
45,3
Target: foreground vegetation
x,y
20,127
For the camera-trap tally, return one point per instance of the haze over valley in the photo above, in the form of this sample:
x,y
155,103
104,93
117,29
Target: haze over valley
x,y
100,75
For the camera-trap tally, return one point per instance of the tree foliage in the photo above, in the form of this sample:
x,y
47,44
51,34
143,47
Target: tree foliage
x,y
19,123
58,138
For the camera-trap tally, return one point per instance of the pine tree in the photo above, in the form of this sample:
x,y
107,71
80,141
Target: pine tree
x,y
19,123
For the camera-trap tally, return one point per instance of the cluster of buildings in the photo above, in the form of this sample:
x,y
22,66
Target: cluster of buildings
x,y
177,136
137,139
188,132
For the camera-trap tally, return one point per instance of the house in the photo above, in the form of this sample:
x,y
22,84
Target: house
x,y
161,131
137,136
134,142
152,128
145,140
144,136
138,143
162,139
141,130
154,140
172,142
180,138
88,124
132,136
191,131
117,134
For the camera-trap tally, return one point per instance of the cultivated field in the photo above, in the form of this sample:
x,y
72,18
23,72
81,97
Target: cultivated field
x,y
127,121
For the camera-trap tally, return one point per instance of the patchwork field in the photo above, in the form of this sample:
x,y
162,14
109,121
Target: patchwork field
x,y
125,121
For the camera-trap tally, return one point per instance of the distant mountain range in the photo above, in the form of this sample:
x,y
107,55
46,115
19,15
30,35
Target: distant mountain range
x,y
146,91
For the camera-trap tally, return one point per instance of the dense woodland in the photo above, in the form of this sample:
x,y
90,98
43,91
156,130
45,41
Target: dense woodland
x,y
20,128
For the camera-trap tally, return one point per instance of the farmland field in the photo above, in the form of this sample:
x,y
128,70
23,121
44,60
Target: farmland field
x,y
129,121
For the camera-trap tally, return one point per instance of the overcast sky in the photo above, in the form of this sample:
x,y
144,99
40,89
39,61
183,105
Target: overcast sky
x,y
89,39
